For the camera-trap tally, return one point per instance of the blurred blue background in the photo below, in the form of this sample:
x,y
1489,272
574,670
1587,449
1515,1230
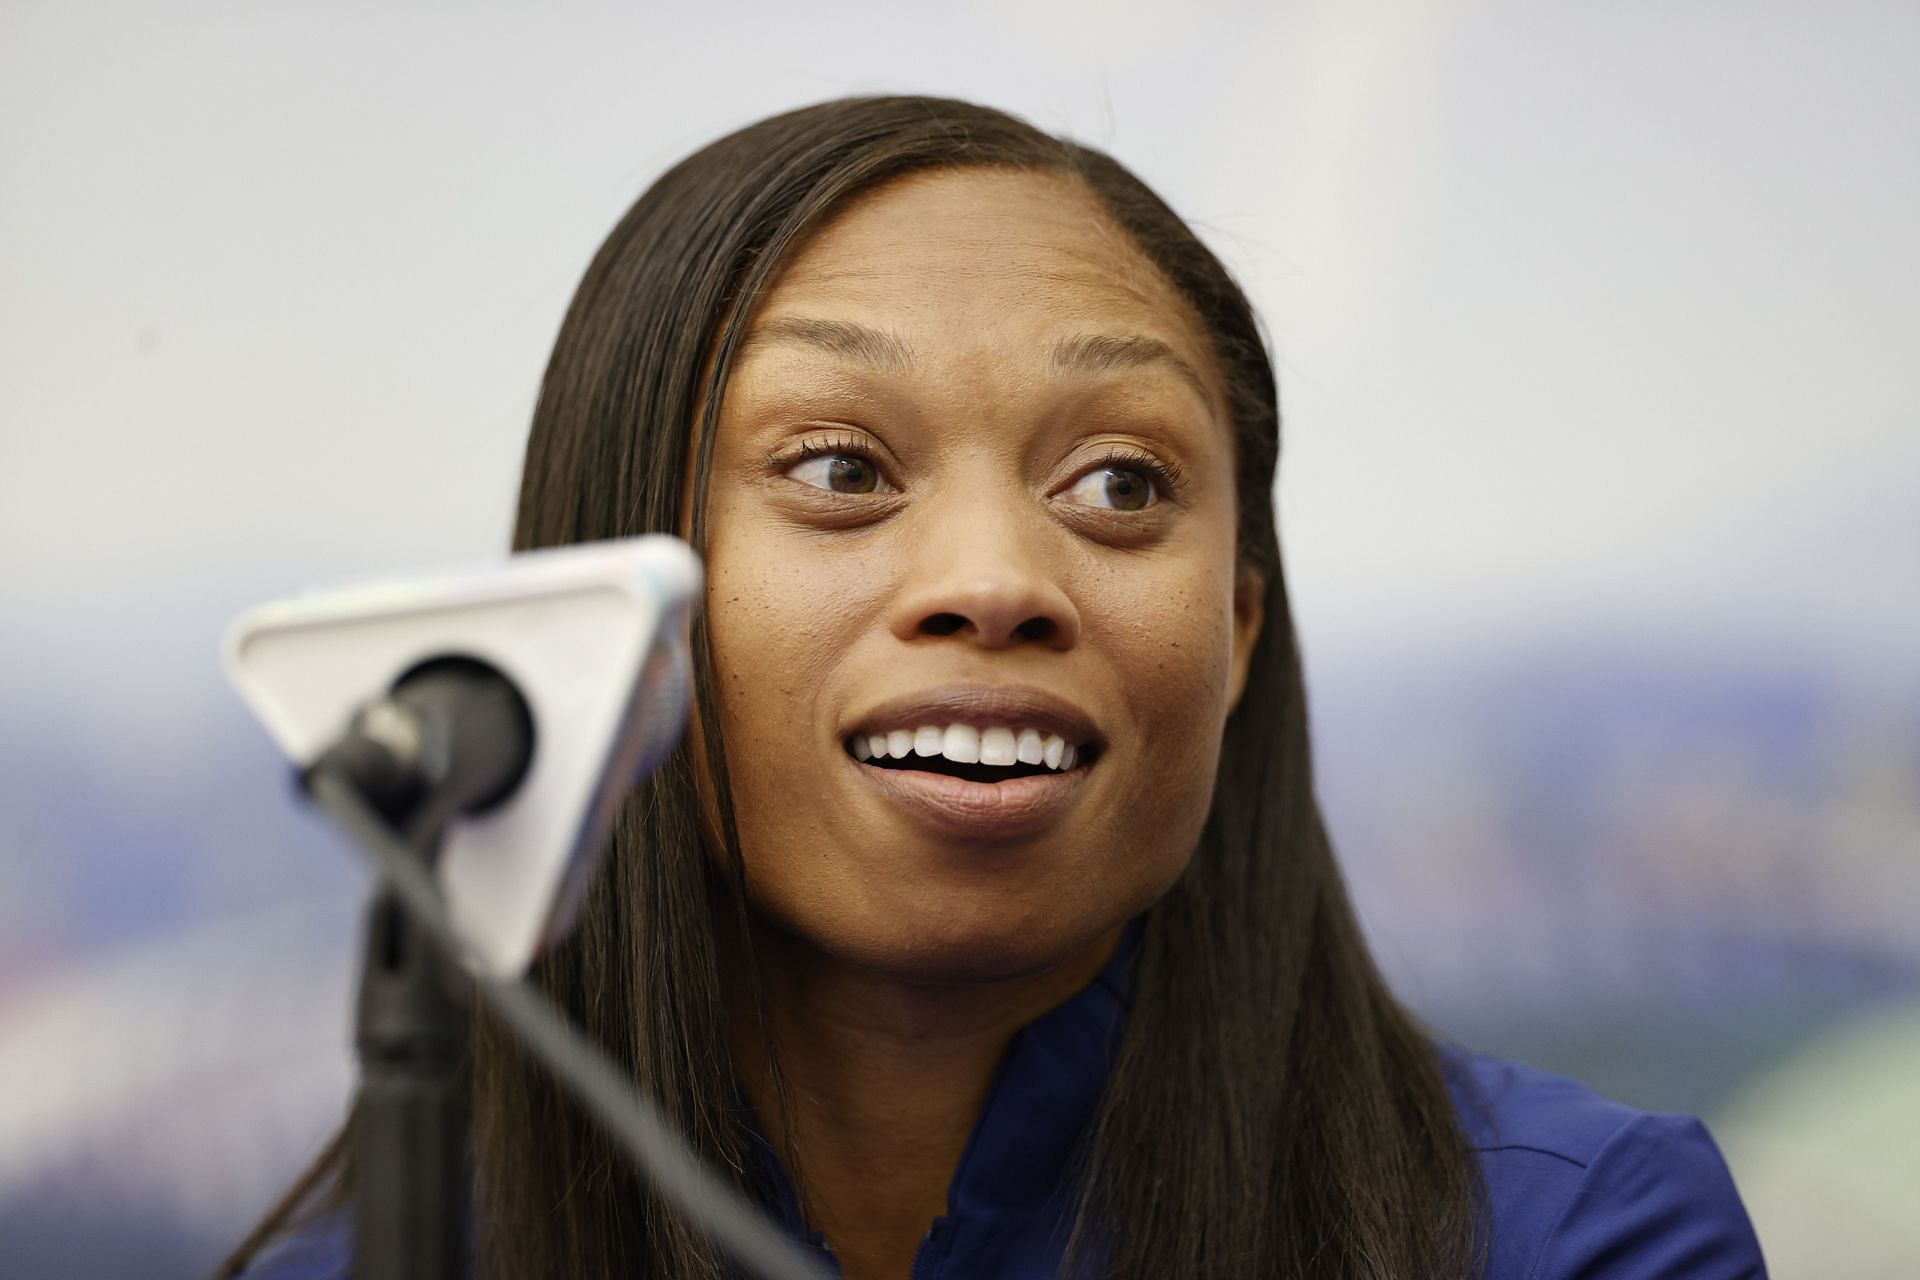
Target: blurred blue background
x,y
1600,500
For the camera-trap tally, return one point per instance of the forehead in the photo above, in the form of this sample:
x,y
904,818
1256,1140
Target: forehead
x,y
984,258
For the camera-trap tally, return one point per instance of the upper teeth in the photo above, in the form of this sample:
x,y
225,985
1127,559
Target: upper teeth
x,y
964,744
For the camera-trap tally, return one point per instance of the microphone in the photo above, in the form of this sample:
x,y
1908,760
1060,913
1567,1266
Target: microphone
x,y
454,729
492,721
526,698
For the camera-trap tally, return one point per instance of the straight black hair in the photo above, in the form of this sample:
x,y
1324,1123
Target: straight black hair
x,y
1272,1111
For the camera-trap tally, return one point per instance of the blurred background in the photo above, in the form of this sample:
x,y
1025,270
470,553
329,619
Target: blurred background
x,y
1600,498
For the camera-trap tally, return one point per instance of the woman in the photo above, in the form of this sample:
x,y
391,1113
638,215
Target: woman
x,y
986,924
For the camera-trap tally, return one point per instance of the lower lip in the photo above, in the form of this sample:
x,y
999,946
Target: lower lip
x,y
1010,810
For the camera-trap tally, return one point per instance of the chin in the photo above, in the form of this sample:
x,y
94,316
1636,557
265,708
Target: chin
x,y
954,940
977,955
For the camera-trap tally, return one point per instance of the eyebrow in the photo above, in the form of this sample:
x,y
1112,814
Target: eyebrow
x,y
1084,353
840,337
1095,353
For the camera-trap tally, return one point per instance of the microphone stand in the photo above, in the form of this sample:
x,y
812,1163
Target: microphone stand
x,y
455,737
410,1122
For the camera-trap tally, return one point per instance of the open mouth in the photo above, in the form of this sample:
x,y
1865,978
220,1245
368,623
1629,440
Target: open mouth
x,y
991,755
971,772
1006,776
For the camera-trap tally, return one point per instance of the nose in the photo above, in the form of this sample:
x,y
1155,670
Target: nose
x,y
985,581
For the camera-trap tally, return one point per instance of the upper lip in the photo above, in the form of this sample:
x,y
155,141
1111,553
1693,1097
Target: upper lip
x,y
983,706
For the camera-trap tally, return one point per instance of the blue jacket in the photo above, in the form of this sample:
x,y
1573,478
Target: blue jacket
x,y
1578,1186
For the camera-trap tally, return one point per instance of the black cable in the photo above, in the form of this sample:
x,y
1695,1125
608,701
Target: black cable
x,y
608,1094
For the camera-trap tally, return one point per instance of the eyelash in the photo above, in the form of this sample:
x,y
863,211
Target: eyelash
x,y
821,447
1167,476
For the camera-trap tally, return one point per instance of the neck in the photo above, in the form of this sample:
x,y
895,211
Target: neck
x,y
885,1078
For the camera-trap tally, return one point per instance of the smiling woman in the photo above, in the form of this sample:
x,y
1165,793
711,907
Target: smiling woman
x,y
974,487
986,924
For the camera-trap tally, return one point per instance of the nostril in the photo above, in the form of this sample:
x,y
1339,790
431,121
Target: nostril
x,y
943,624
1035,629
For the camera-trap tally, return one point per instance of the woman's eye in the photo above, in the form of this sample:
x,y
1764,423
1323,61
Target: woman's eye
x,y
1117,488
838,473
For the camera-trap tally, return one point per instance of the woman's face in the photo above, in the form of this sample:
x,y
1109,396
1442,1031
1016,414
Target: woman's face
x,y
972,504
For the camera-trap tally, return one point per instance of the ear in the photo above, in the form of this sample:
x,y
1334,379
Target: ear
x,y
1249,612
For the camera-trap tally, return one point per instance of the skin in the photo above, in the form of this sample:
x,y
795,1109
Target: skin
x,y
986,548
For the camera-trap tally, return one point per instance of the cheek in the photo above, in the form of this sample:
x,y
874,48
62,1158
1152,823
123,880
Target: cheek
x,y
781,622
1170,634
1190,649
767,647
1173,657
778,620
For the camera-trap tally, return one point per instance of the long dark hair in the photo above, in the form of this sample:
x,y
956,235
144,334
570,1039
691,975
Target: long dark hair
x,y
1272,1110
